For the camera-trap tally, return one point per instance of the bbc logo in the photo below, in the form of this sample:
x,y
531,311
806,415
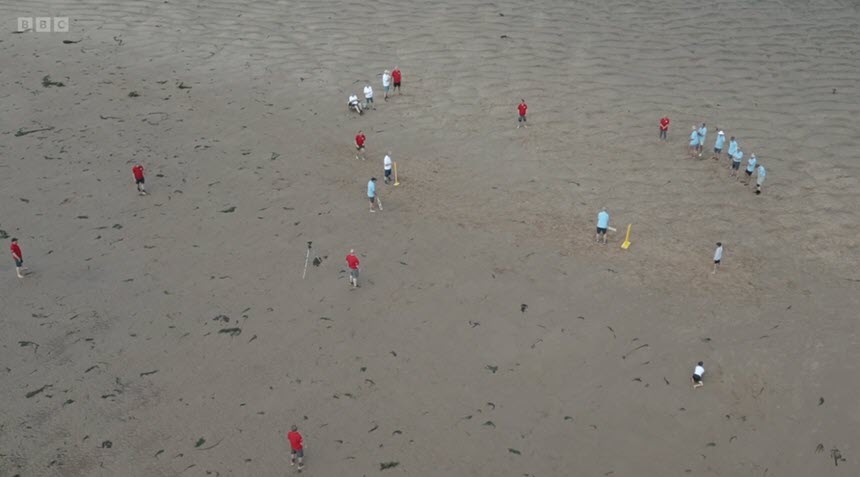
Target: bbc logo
x,y
44,24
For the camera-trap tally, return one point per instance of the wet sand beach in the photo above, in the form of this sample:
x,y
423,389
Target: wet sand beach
x,y
173,334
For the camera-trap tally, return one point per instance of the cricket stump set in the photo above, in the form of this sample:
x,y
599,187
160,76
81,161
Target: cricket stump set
x,y
627,241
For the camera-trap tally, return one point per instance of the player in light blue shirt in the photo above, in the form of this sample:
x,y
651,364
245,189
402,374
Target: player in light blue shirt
x,y
694,141
736,162
703,133
602,224
371,192
733,147
750,168
759,180
718,144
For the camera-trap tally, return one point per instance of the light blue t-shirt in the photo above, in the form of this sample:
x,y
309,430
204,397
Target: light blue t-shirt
x,y
703,133
738,156
694,138
761,172
751,164
721,139
733,148
371,189
603,219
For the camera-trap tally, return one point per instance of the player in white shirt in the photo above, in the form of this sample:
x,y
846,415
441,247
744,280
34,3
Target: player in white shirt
x,y
368,96
698,372
354,103
386,166
718,256
386,82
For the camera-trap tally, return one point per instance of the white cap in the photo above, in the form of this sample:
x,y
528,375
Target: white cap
x,y
721,133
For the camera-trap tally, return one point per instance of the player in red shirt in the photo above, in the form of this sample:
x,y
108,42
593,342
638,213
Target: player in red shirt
x,y
396,77
297,447
359,145
18,257
522,108
352,262
664,127
137,170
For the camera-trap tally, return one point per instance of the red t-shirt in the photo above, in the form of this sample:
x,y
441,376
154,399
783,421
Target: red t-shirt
x,y
522,107
664,124
359,140
16,250
295,440
352,261
396,75
138,172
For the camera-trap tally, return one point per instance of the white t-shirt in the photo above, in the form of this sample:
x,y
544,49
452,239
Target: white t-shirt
x,y
353,98
699,371
368,91
386,163
386,79
718,254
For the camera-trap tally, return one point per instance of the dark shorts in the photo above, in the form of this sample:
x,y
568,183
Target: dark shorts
x,y
718,150
359,148
19,263
697,378
369,100
521,119
749,173
140,181
397,84
371,199
736,165
601,230
717,262
297,453
387,172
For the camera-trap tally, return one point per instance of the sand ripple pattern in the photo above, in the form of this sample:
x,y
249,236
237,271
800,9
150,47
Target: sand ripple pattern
x,y
781,75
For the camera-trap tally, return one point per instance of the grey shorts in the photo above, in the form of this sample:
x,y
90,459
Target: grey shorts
x,y
521,119
353,272
297,453
19,263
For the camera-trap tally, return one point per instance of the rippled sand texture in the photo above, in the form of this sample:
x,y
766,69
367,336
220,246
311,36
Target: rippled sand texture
x,y
173,334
